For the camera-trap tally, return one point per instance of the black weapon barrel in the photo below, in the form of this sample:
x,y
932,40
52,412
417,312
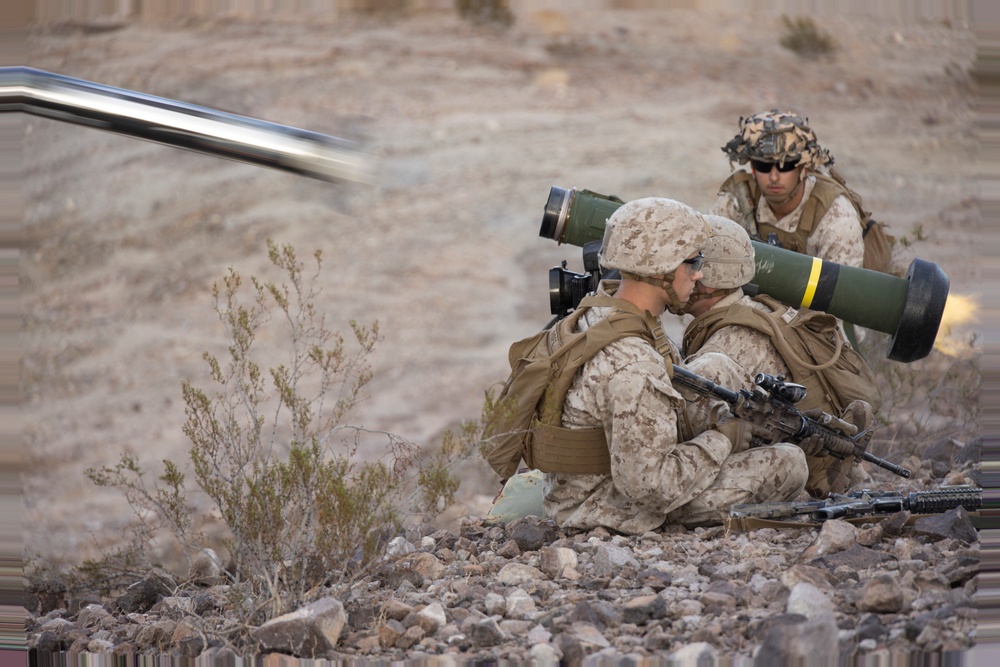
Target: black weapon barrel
x,y
935,501
887,465
842,446
942,500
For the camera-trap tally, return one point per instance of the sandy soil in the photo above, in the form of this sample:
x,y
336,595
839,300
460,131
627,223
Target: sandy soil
x,y
472,126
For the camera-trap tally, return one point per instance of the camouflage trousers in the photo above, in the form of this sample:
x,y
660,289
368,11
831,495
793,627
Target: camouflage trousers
x,y
776,473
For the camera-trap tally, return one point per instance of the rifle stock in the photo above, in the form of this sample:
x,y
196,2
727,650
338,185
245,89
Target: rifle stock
x,y
772,415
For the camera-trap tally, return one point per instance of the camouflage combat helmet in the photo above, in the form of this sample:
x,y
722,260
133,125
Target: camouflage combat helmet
x,y
728,254
777,136
652,236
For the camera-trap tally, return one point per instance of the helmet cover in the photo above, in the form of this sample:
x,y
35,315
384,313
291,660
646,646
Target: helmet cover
x,y
778,137
729,255
652,236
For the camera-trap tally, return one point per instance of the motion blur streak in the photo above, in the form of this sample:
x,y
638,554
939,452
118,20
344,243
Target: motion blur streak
x,y
174,123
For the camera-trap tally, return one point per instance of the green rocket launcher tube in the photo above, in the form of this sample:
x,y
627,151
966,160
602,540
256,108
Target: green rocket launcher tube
x,y
909,308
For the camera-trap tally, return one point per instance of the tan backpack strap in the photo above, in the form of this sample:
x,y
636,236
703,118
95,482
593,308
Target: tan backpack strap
x,y
786,351
809,217
702,328
778,309
565,328
743,187
649,328
827,189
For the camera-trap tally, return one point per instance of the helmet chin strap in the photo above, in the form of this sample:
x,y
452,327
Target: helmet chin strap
x,y
698,295
666,283
674,304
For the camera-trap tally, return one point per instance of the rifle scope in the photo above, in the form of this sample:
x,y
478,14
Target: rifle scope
x,y
909,308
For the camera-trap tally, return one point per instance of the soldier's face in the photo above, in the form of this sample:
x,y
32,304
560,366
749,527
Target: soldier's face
x,y
685,278
778,185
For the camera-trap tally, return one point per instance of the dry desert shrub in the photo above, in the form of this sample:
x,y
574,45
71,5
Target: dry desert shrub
x,y
802,36
271,449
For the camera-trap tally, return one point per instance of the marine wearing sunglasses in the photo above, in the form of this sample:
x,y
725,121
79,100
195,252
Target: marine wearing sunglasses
x,y
765,167
781,184
695,263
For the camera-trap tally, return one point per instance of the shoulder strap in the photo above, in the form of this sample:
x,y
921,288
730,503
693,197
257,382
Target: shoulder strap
x,y
778,326
771,324
554,448
824,192
735,178
647,325
700,330
743,186
705,325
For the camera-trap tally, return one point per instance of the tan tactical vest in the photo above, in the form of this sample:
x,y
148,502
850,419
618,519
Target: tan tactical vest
x,y
811,345
528,420
878,244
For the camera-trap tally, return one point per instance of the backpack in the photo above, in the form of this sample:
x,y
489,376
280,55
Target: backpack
x,y
811,345
527,416
878,242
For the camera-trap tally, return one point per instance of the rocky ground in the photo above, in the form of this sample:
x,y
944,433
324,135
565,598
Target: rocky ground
x,y
527,591
471,125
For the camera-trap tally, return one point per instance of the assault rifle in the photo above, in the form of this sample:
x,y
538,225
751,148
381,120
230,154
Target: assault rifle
x,y
770,408
867,503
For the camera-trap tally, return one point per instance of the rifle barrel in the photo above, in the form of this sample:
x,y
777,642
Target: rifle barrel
x,y
888,465
935,501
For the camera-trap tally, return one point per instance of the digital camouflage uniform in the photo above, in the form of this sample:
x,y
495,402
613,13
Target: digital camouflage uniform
x,y
657,476
752,352
749,350
775,137
733,355
836,237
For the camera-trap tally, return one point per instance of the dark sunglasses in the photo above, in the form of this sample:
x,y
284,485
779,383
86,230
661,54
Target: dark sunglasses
x,y
765,167
696,262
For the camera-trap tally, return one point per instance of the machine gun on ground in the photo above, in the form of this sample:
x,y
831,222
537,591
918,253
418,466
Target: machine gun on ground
x,y
866,503
770,407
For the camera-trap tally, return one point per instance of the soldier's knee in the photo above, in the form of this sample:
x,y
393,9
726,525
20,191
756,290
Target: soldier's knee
x,y
792,462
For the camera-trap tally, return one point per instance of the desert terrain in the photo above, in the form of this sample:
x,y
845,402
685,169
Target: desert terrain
x,y
470,126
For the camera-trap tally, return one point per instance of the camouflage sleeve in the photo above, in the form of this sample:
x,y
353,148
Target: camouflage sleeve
x,y
726,206
647,461
736,353
704,411
837,237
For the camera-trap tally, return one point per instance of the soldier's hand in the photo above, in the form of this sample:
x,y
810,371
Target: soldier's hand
x,y
737,431
856,418
831,422
860,415
813,445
